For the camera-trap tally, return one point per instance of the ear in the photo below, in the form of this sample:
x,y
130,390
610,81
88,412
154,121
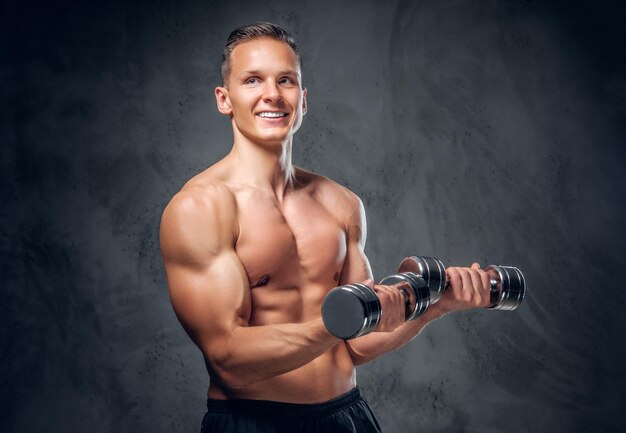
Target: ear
x,y
304,93
223,101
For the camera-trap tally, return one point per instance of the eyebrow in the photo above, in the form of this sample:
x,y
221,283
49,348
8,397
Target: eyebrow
x,y
256,72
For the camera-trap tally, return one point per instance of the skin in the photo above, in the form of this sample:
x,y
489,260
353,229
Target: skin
x,y
252,245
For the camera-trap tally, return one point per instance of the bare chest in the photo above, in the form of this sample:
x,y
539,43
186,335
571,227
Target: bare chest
x,y
289,247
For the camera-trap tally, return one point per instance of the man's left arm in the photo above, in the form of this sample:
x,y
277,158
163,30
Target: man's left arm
x,y
357,269
469,288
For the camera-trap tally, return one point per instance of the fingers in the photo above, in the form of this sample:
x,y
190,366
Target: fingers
x,y
456,283
486,281
482,280
392,295
392,303
469,287
468,290
479,288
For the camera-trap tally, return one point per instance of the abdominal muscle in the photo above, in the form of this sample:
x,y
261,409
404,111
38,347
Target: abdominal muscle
x,y
324,378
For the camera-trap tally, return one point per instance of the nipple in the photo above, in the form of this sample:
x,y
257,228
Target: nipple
x,y
262,281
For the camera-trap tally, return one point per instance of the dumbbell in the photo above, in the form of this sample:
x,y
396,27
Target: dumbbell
x,y
353,310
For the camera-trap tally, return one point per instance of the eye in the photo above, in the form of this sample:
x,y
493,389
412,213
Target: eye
x,y
287,81
252,81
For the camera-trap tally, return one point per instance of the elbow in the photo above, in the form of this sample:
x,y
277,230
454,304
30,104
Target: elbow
x,y
357,358
224,371
231,379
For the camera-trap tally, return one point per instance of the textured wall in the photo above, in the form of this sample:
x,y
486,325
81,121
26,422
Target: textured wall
x,y
489,131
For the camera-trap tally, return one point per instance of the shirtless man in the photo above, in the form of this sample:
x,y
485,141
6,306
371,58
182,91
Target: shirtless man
x,y
252,245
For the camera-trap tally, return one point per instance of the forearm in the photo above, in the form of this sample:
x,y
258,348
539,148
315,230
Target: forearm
x,y
371,346
254,353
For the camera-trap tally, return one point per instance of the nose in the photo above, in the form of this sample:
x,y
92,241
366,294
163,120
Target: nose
x,y
271,91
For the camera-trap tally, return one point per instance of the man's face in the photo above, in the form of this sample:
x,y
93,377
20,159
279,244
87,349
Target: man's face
x,y
263,95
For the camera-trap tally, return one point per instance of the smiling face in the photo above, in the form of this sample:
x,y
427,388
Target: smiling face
x,y
263,94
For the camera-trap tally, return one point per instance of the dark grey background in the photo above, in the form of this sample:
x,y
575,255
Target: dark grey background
x,y
489,131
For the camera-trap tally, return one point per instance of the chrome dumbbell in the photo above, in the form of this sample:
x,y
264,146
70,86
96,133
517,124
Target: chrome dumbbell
x,y
354,310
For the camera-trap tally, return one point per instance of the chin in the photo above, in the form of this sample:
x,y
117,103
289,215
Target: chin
x,y
273,141
273,138
268,136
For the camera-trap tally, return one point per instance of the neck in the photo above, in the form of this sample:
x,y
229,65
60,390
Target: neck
x,y
263,166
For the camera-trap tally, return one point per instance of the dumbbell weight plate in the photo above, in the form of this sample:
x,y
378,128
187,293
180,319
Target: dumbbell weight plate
x,y
431,270
508,287
351,310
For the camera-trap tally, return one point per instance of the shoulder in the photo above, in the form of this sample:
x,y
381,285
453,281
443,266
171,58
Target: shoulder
x,y
201,200
201,217
326,188
336,198
206,192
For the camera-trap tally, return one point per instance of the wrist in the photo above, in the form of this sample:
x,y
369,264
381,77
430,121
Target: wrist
x,y
321,333
435,311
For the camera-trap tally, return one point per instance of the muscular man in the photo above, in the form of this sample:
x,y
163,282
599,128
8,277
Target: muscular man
x,y
252,245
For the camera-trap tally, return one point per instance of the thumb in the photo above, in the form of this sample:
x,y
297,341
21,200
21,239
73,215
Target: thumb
x,y
475,265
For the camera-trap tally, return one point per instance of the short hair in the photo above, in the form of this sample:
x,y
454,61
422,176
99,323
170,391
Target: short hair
x,y
261,29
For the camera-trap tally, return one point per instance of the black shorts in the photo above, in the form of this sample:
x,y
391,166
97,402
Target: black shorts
x,y
348,413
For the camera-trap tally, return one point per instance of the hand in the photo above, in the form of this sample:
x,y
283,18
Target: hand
x,y
393,306
467,288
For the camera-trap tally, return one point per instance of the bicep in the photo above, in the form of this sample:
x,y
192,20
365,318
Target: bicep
x,y
207,283
210,299
356,266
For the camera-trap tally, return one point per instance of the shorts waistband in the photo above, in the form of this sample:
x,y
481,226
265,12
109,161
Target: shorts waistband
x,y
267,407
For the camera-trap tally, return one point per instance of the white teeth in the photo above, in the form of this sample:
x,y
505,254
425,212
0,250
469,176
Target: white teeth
x,y
271,114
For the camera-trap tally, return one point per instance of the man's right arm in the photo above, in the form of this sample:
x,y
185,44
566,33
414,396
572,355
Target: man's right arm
x,y
211,296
